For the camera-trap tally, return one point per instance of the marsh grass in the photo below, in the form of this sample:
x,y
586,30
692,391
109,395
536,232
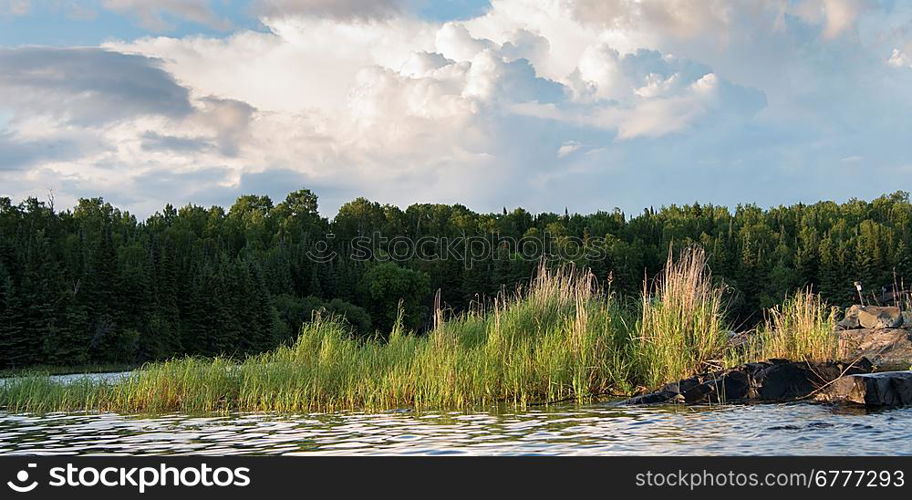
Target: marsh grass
x,y
802,328
559,338
682,325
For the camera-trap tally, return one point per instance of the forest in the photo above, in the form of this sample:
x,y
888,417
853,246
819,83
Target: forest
x,y
93,284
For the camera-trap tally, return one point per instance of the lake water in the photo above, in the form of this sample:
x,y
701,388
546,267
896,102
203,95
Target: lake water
x,y
96,377
598,429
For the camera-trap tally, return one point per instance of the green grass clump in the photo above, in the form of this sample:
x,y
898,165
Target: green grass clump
x,y
560,338
682,323
802,328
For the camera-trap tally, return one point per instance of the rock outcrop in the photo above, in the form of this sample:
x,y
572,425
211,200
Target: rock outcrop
x,y
773,380
872,389
886,348
869,337
881,334
872,317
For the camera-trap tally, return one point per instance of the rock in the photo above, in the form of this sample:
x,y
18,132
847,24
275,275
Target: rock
x,y
850,321
787,380
879,317
890,348
873,389
773,380
907,319
652,398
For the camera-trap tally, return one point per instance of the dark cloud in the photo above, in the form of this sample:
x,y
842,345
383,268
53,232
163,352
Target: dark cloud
x,y
158,15
362,10
88,86
153,141
18,155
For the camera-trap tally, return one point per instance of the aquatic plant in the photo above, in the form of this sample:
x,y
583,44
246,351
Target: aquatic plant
x,y
682,322
801,328
562,337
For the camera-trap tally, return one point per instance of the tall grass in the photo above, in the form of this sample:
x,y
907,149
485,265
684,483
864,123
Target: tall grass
x,y
802,328
560,338
682,323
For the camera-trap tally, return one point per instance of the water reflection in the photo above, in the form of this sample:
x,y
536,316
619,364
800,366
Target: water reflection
x,y
76,377
796,429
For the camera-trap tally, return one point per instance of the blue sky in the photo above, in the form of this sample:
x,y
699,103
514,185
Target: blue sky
x,y
89,22
588,104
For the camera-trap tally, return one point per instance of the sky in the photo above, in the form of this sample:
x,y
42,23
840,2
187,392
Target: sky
x,y
546,104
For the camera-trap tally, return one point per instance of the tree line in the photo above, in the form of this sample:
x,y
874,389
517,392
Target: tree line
x,y
93,284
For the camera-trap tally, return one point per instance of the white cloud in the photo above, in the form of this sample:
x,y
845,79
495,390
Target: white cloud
x,y
568,148
355,98
899,59
836,16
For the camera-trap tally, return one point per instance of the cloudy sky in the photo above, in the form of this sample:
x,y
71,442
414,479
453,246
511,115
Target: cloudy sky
x,y
545,104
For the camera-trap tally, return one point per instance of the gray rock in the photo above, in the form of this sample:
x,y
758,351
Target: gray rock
x,y
873,389
879,317
907,319
848,323
773,380
850,320
891,348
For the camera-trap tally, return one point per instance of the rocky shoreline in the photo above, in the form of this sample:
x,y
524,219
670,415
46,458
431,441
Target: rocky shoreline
x,y
875,344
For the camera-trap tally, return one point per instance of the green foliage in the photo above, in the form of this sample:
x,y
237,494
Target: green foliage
x,y
389,288
295,312
560,338
94,285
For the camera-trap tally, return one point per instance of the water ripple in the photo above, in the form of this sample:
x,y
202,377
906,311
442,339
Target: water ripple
x,y
789,429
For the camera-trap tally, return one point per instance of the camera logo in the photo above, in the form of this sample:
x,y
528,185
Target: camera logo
x,y
19,485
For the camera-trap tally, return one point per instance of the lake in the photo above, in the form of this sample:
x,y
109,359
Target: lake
x,y
596,429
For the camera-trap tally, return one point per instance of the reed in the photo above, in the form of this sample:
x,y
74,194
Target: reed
x,y
559,338
802,328
682,322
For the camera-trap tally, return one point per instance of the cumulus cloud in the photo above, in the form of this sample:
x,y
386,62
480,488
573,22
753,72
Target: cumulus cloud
x,y
836,16
716,18
530,102
78,119
395,104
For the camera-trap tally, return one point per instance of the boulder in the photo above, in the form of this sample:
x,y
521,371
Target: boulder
x,y
873,389
879,317
850,321
773,380
890,348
